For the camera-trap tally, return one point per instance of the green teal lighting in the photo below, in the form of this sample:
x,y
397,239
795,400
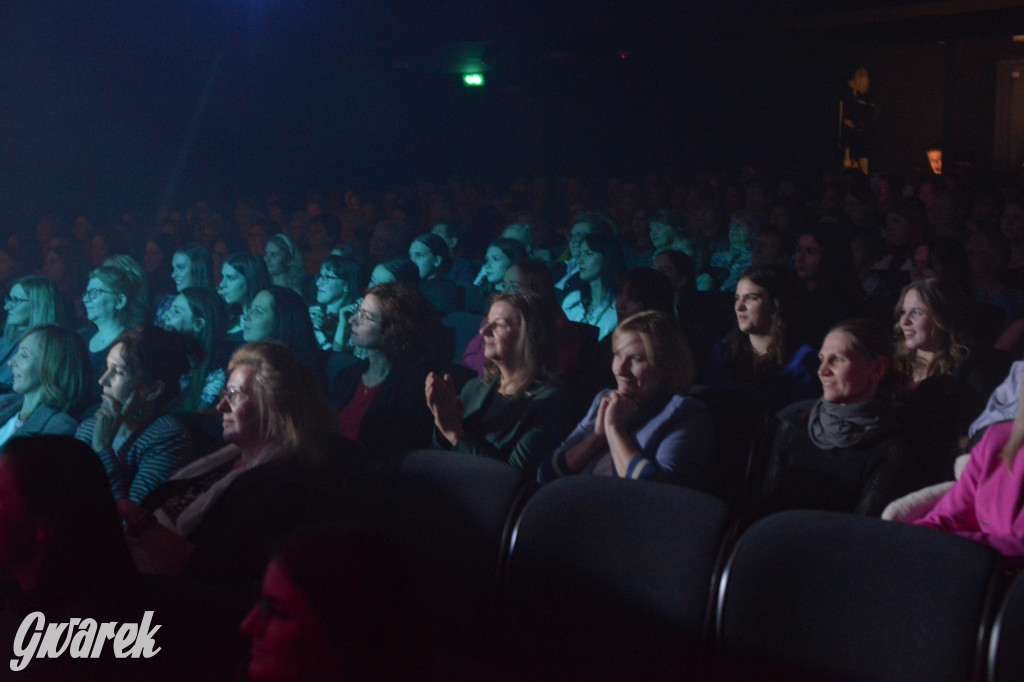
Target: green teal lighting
x,y
473,79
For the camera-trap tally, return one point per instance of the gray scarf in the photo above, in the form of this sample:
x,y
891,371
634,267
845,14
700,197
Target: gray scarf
x,y
831,425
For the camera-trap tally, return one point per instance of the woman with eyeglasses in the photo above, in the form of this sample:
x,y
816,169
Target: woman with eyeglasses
x,y
214,518
337,287
516,413
139,443
390,324
112,304
30,302
242,276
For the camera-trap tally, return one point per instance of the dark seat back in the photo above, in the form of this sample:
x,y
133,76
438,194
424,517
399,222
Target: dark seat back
x,y
611,579
825,595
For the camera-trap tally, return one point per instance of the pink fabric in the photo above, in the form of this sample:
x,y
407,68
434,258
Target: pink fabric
x,y
473,357
985,504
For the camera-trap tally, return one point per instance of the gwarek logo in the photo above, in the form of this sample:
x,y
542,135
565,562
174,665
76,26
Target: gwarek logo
x,y
81,638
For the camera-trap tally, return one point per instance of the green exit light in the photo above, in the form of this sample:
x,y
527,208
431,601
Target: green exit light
x,y
473,79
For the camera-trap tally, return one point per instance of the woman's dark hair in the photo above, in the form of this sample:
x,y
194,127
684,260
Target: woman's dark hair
x,y
253,269
651,288
599,222
684,265
670,218
64,485
614,265
871,338
200,263
837,272
438,247
155,354
535,278
740,361
404,270
347,268
292,325
513,250
406,320
359,585
212,336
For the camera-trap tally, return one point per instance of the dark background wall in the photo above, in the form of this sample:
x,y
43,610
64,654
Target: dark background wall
x,y
128,106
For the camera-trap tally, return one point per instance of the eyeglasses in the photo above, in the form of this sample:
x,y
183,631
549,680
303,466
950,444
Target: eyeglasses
x,y
91,295
14,300
324,275
232,395
363,316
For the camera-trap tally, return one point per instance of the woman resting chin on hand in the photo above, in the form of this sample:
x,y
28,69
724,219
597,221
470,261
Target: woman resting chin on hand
x,y
646,428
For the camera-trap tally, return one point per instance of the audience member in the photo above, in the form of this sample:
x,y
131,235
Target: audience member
x,y
391,324
515,413
139,444
647,428
51,381
843,451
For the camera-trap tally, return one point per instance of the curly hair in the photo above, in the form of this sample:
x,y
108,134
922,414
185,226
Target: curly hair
x,y
943,304
405,320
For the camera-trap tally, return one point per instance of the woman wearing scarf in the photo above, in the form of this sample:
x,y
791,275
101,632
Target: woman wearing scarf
x,y
842,452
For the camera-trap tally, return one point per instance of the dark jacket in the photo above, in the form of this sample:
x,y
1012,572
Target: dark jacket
x,y
398,419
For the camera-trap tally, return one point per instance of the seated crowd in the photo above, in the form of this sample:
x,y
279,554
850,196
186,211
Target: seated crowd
x,y
782,349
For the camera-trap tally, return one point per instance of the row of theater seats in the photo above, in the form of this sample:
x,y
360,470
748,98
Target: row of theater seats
x,y
603,579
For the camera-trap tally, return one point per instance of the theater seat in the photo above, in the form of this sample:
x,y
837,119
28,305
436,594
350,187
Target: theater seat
x,y
611,579
452,514
1006,650
824,595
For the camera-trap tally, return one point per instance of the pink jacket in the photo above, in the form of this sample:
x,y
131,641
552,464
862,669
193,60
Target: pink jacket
x,y
985,504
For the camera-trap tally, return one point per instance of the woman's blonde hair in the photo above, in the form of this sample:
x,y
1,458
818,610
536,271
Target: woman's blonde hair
x,y
535,348
42,295
65,372
666,347
292,407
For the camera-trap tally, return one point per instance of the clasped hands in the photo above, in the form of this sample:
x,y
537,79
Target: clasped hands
x,y
446,406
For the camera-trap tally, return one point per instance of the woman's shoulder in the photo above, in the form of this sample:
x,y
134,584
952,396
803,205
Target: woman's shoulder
x,y
995,437
798,412
164,427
